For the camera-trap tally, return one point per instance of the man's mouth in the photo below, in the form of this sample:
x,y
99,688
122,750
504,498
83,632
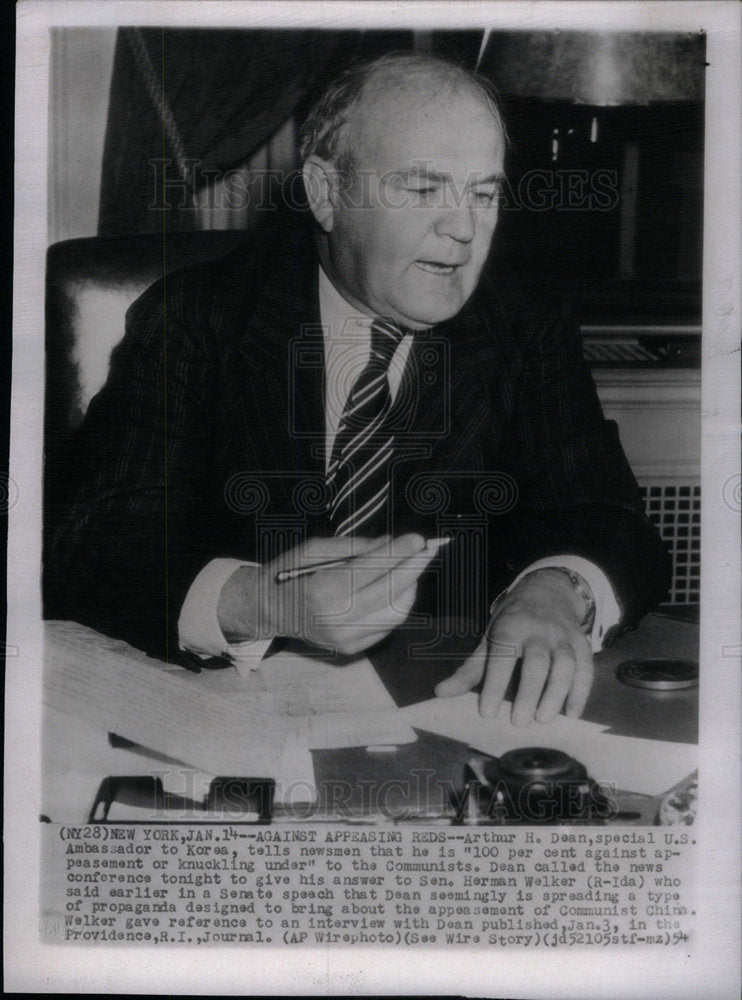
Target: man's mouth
x,y
436,268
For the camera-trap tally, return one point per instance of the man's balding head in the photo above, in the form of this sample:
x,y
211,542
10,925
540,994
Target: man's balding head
x,y
337,123
402,163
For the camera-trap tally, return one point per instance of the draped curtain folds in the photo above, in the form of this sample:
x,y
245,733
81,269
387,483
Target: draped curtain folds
x,y
189,105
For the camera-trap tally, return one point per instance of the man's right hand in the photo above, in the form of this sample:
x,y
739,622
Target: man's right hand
x,y
345,608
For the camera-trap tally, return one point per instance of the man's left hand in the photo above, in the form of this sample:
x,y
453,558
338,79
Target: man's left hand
x,y
539,622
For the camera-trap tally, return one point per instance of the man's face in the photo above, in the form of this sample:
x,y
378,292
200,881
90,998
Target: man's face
x,y
411,233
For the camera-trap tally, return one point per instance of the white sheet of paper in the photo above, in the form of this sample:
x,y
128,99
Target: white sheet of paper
x,y
338,729
76,759
459,719
78,756
648,766
333,705
637,765
108,684
296,784
303,685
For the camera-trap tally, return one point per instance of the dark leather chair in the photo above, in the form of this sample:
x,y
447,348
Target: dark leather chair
x,y
90,284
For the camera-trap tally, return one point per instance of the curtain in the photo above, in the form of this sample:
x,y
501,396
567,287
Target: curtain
x,y
80,68
188,106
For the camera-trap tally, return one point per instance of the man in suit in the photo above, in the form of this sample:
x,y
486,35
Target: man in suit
x,y
351,389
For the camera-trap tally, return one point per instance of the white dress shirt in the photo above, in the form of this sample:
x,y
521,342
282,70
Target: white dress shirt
x,y
347,343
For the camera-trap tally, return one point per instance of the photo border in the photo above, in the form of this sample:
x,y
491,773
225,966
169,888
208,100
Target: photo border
x,y
709,969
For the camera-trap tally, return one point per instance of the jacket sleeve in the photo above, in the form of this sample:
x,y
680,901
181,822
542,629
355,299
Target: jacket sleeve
x,y
576,491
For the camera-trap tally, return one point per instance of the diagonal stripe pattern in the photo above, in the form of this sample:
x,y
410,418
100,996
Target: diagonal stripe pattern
x,y
358,474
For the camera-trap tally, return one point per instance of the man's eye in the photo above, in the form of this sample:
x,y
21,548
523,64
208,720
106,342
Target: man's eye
x,y
426,192
484,198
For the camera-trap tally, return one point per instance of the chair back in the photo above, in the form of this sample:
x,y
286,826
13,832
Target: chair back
x,y
90,284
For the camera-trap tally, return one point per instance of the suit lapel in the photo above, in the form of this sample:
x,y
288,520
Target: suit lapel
x,y
457,395
462,387
283,358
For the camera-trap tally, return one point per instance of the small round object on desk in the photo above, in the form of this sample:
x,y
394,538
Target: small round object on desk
x,y
658,674
529,764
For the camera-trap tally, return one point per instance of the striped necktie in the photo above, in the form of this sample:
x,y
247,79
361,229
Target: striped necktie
x,y
358,475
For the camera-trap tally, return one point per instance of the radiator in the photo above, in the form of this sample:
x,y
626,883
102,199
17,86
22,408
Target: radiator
x,y
675,509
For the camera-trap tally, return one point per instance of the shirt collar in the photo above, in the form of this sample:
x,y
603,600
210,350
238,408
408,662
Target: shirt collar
x,y
337,315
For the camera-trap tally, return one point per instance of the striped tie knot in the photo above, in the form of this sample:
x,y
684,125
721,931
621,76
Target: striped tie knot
x,y
369,398
385,339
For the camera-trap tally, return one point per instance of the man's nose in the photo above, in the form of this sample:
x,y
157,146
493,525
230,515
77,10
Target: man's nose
x,y
457,222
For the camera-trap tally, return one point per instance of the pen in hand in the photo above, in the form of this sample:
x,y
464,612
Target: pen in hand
x,y
298,571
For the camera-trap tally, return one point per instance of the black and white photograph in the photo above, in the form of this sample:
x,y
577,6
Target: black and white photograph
x,y
374,499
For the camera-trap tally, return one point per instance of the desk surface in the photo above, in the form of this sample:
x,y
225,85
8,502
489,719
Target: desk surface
x,y
416,776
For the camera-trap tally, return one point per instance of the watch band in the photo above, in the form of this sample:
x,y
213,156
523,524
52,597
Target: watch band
x,y
580,586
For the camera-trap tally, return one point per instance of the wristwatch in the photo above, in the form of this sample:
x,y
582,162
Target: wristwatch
x,y
579,584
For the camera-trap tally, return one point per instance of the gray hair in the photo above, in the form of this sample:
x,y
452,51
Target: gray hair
x,y
323,133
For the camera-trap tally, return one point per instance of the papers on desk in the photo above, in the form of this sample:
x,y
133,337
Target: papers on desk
x,y
459,719
260,726
344,706
326,706
77,758
647,766
265,725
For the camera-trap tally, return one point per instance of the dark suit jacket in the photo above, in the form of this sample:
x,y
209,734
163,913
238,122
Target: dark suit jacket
x,y
207,440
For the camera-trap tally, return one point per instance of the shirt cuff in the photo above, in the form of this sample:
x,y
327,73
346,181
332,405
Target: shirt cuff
x,y
198,623
607,611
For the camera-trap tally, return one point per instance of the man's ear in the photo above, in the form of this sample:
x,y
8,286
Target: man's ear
x,y
321,184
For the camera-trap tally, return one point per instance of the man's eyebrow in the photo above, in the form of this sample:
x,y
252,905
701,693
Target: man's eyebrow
x,y
496,178
423,173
